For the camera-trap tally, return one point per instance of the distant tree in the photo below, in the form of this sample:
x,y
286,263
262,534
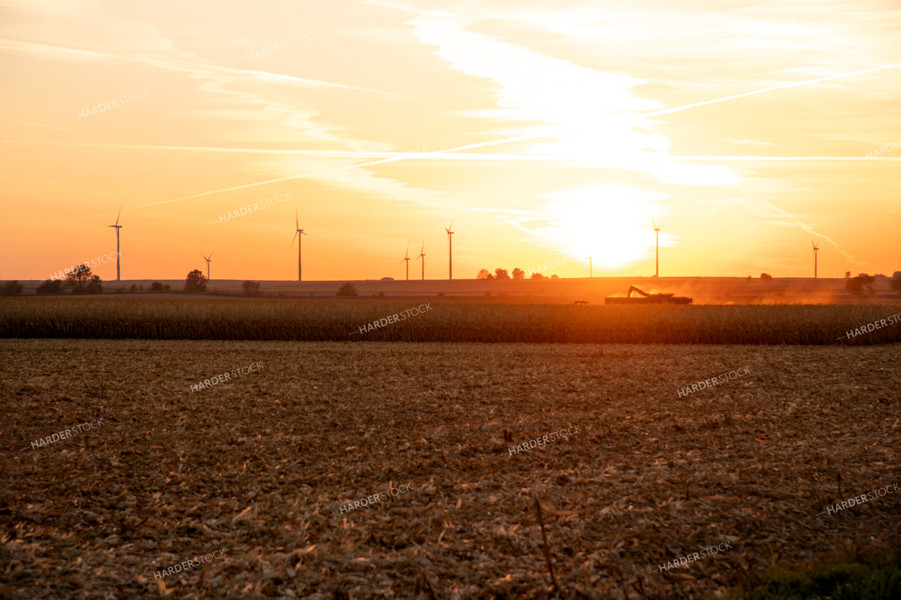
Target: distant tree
x,y
501,274
251,288
195,282
156,287
11,288
554,277
484,274
81,281
347,289
860,285
78,274
766,277
537,276
133,289
896,281
518,273
50,286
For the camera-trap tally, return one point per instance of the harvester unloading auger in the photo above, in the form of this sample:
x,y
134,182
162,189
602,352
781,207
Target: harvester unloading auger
x,y
646,298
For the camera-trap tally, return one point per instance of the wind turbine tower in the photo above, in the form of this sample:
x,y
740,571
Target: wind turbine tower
x,y
118,227
816,248
657,250
422,256
208,259
406,259
450,251
297,235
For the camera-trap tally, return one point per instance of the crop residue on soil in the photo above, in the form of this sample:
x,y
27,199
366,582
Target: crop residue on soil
x,y
260,466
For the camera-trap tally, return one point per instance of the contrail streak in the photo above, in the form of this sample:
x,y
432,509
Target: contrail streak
x,y
788,158
403,156
781,86
797,221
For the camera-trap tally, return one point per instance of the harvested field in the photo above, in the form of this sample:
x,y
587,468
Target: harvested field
x,y
258,466
445,321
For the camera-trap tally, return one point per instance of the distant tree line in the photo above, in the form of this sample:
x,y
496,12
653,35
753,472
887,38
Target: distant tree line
x,y
503,274
862,285
11,288
81,280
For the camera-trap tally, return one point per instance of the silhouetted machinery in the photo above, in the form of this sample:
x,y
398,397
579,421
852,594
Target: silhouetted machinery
x,y
646,298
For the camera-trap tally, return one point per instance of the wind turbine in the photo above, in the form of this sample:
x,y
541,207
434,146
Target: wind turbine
x,y
589,267
450,252
208,259
816,248
406,259
118,227
422,256
657,251
297,236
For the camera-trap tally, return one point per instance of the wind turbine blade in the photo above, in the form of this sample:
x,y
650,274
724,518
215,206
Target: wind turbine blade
x,y
296,220
295,236
118,215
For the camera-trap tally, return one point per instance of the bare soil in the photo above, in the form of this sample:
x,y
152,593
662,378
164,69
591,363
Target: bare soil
x,y
258,467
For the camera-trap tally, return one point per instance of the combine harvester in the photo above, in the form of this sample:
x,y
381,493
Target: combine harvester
x,y
646,298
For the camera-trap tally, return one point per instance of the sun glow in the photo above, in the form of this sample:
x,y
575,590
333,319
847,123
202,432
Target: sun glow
x,y
613,224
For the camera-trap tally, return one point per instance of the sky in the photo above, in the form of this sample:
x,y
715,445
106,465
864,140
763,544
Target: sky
x,y
539,131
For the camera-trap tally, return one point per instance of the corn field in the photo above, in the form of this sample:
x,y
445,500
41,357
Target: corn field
x,y
339,320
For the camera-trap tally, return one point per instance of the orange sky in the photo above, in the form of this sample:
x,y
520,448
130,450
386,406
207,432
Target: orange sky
x,y
747,130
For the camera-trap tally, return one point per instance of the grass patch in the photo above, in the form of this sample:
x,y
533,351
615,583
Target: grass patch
x,y
876,577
